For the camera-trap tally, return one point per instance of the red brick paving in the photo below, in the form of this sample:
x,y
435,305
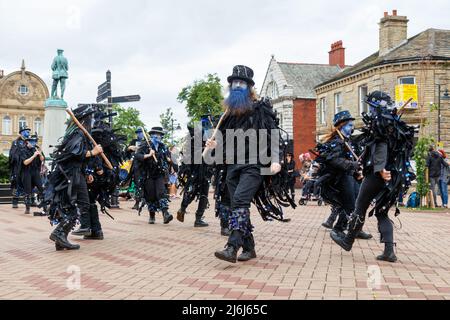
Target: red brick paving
x,y
296,260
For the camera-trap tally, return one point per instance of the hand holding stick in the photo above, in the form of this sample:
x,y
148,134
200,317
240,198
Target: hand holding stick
x,y
215,132
86,133
148,142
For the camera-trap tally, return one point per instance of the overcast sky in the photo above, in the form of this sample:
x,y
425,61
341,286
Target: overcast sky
x,y
154,48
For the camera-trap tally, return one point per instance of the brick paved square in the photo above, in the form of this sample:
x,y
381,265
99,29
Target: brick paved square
x,y
296,260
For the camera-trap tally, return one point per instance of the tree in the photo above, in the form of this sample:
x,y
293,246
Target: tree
x,y
420,157
169,124
203,97
127,121
4,169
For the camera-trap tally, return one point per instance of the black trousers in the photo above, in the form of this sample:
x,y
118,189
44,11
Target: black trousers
x,y
81,194
243,182
155,194
348,191
291,185
202,202
91,220
31,179
370,188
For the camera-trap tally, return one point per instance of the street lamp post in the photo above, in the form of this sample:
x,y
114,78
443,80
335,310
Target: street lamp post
x,y
444,97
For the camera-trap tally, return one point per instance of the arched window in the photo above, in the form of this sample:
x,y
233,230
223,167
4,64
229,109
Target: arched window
x,y
23,90
272,90
22,122
6,126
38,126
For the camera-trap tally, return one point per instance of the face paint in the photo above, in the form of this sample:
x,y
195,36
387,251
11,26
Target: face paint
x,y
140,135
347,129
239,84
156,139
25,134
239,98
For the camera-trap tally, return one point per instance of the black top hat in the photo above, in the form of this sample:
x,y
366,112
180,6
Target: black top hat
x,y
241,72
138,130
378,99
83,111
159,130
342,117
24,128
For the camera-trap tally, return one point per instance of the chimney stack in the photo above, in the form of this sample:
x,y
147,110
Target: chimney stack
x,y
337,54
393,31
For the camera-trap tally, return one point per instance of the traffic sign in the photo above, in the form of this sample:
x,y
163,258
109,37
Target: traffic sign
x,y
104,95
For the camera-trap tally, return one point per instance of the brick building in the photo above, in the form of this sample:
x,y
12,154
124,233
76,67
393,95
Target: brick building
x,y
291,89
423,60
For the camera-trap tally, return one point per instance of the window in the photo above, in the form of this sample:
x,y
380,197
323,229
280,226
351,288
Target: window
x,y
322,111
38,126
272,90
338,102
23,90
22,122
363,106
407,80
6,126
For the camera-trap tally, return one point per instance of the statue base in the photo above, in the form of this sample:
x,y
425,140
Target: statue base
x,y
55,102
54,124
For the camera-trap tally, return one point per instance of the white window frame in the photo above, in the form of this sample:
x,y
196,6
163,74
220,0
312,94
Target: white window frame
x,y
322,110
363,106
338,108
399,80
38,126
25,92
7,126
22,120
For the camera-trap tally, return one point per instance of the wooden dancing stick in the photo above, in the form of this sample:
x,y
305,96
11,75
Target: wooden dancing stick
x,y
148,142
215,132
403,107
86,133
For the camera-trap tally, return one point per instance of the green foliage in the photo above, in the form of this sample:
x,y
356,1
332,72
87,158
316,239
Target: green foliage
x,y
4,169
169,125
127,121
420,157
203,97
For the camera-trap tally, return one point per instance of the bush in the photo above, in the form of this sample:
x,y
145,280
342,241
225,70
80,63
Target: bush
x,y
420,157
4,169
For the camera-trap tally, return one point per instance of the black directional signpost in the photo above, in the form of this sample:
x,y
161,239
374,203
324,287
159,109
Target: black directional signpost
x,y
105,93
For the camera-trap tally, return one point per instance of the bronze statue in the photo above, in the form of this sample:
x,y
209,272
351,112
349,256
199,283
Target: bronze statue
x,y
60,66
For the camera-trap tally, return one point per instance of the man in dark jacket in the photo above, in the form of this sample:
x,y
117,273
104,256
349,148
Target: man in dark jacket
x,y
434,163
17,148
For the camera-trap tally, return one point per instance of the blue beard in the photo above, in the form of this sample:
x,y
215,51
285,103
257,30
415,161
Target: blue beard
x,y
239,99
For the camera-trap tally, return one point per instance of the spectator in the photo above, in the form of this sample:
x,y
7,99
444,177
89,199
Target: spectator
x,y
173,173
434,163
443,179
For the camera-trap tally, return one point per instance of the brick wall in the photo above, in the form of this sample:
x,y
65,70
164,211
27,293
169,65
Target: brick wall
x,y
304,120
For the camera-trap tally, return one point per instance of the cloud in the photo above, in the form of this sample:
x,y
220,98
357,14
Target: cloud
x,y
154,48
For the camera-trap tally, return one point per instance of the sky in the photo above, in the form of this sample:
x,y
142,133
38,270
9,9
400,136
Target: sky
x,y
155,48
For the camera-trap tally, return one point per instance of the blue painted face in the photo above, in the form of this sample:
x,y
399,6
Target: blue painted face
x,y
239,97
156,139
25,133
140,135
347,129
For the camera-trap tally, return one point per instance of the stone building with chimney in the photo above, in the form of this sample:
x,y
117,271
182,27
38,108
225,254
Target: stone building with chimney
x,y
290,86
22,97
422,61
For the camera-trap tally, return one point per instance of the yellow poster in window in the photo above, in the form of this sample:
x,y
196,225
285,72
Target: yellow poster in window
x,y
403,92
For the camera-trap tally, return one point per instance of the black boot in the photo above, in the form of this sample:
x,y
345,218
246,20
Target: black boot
x,y
82,231
151,219
180,214
199,220
224,231
136,205
388,254
27,209
248,249
15,202
364,235
229,254
346,242
167,216
95,235
338,232
59,236
328,224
